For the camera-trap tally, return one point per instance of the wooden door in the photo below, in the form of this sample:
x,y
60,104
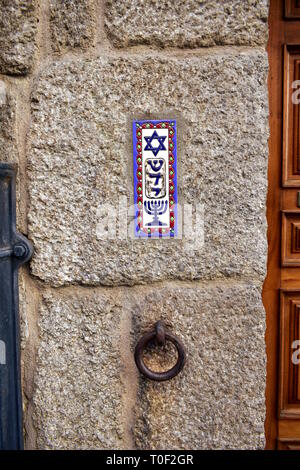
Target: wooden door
x,y
282,286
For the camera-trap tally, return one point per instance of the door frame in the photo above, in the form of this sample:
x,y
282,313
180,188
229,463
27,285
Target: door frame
x,y
282,31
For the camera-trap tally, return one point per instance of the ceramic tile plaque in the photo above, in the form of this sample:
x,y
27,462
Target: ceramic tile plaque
x,y
155,178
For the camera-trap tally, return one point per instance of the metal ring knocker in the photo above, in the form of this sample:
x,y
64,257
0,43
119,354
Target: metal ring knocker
x,y
160,334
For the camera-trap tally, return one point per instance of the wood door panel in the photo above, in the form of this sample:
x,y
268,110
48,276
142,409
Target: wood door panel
x,y
289,376
288,444
292,9
290,240
291,117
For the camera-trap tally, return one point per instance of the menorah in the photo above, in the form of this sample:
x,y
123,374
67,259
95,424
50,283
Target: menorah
x,y
156,208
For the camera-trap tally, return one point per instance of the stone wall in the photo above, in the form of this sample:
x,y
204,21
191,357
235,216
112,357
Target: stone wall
x,y
74,76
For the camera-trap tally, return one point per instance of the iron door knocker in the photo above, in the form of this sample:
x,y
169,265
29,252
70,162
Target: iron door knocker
x,y
161,335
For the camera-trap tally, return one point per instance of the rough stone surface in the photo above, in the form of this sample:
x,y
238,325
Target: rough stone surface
x,y
78,389
8,151
72,23
186,23
18,26
217,401
81,158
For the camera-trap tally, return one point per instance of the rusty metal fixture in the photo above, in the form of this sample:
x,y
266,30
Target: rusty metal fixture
x,y
160,335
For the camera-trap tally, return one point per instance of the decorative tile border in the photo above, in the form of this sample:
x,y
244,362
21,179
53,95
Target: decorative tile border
x,y
155,178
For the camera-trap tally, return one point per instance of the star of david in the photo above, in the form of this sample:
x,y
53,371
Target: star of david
x,y
160,139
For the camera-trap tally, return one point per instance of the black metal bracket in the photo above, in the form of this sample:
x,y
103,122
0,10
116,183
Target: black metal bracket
x,y
15,250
